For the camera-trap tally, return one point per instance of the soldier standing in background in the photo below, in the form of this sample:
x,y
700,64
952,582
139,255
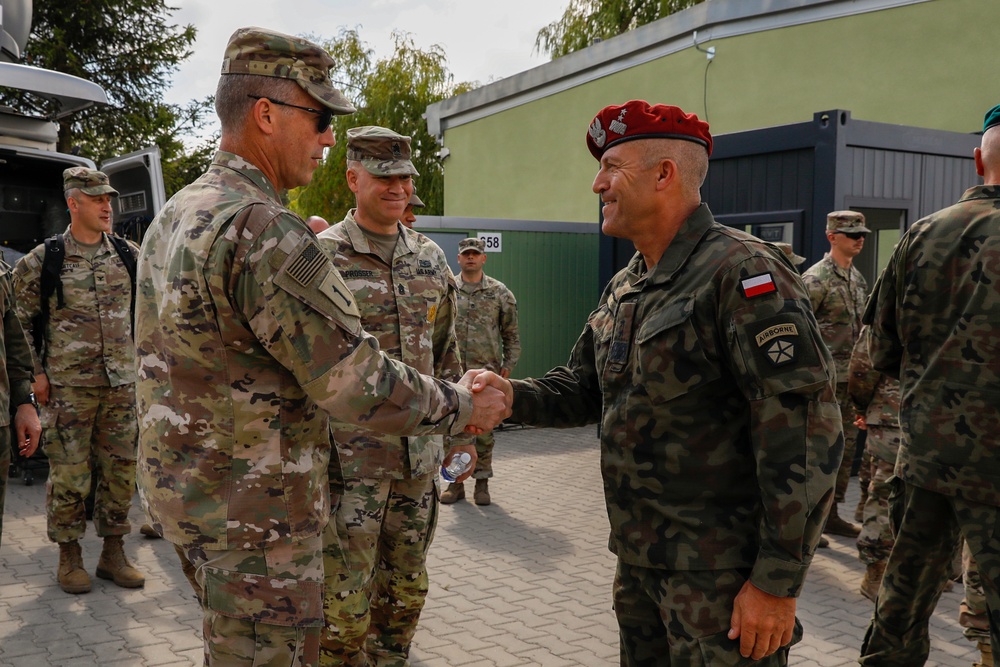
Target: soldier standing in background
x,y
249,342
410,213
933,325
85,382
488,338
837,291
16,398
875,397
376,549
720,437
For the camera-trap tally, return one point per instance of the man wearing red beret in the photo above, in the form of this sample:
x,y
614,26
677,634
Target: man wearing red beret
x,y
720,433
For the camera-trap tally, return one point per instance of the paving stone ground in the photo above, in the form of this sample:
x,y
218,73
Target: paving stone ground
x,y
525,581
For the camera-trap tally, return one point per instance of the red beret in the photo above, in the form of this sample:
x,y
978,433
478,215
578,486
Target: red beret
x,y
638,119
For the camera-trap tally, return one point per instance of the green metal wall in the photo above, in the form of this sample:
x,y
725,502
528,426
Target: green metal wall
x,y
554,277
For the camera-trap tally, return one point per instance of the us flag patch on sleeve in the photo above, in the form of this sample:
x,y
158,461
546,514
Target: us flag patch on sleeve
x,y
305,267
758,285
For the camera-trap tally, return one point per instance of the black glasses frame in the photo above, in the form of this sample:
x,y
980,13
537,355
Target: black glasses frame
x,y
854,236
322,123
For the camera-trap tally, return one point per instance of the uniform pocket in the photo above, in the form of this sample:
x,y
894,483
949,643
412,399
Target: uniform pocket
x,y
266,599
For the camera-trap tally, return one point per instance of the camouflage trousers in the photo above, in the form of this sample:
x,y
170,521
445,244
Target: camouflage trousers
x,y
875,540
262,607
972,613
484,450
927,526
89,431
676,618
375,555
5,454
847,414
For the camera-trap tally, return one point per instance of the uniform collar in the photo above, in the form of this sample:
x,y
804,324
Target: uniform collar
x,y
248,171
676,255
360,243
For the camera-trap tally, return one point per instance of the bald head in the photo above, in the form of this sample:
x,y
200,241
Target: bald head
x,y
988,156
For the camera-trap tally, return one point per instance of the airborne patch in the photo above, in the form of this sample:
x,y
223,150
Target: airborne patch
x,y
780,350
305,267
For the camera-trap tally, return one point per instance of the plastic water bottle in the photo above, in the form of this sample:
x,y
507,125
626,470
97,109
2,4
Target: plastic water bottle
x,y
456,466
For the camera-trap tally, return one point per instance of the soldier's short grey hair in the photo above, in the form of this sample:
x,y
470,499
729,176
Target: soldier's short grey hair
x,y
232,101
691,159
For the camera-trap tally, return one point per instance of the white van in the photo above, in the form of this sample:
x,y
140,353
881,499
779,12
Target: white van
x,y
32,206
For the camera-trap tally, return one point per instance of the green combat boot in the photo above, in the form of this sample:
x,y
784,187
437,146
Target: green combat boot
x,y
453,493
482,492
72,577
114,565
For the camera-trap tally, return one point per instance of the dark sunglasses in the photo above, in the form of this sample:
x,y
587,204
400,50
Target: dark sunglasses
x,y
854,236
325,115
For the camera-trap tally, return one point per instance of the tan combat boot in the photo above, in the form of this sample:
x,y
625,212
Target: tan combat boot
x,y
986,650
482,492
835,525
453,493
72,577
872,580
114,565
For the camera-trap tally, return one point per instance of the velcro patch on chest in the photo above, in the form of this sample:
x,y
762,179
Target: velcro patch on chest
x,y
758,285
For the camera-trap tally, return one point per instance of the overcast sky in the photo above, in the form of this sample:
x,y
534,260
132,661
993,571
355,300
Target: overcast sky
x,y
484,40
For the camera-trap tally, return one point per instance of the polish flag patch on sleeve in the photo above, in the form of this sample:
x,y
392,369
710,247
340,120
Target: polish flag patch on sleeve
x,y
758,285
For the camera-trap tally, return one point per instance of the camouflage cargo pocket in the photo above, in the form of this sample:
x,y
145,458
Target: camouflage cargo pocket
x,y
265,599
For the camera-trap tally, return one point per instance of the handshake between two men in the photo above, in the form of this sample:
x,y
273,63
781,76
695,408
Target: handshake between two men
x,y
492,399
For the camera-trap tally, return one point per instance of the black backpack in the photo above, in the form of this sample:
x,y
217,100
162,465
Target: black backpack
x,y
51,283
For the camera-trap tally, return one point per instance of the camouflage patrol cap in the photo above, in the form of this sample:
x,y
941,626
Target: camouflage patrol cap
x,y
849,222
268,53
415,201
992,118
87,181
380,151
471,244
786,248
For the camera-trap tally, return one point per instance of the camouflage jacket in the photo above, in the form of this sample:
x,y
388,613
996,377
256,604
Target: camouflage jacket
x,y
89,341
16,363
838,299
934,317
875,395
247,340
410,308
720,434
487,325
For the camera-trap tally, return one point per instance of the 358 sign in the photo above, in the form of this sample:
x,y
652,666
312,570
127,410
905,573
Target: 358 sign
x,y
493,241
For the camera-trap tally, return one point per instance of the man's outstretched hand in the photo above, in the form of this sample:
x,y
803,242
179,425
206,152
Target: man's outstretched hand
x,y
492,398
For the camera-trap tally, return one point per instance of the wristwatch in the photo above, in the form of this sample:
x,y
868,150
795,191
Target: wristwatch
x,y
31,399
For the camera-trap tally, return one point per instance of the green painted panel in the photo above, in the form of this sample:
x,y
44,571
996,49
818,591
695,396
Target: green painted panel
x,y
555,280
914,64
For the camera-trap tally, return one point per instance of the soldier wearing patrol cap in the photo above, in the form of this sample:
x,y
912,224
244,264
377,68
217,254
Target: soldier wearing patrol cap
x,y
488,337
838,291
249,341
409,213
85,381
388,502
719,432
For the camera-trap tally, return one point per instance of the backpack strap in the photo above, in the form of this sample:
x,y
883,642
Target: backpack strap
x,y
129,260
49,283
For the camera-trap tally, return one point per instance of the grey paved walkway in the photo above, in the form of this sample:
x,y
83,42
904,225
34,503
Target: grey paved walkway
x,y
523,582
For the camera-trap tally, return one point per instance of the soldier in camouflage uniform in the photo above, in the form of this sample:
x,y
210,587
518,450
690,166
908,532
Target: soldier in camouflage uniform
x,y
376,543
720,434
410,212
933,324
248,343
85,383
16,374
837,291
488,338
875,397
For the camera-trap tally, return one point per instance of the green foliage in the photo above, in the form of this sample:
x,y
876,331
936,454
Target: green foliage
x,y
587,21
129,48
392,92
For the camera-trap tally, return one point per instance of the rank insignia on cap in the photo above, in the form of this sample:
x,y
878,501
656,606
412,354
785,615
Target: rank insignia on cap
x,y
758,285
